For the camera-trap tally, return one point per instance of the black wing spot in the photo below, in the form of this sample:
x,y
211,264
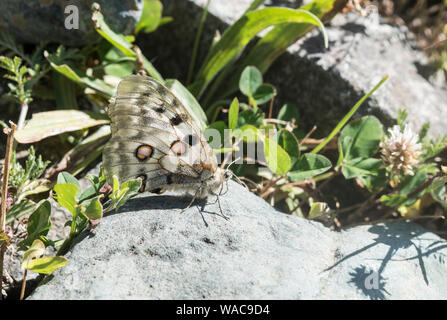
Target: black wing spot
x,y
176,120
170,179
191,139
160,109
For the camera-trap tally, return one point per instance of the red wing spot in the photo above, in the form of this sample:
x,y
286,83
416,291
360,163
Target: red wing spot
x,y
207,166
178,147
144,152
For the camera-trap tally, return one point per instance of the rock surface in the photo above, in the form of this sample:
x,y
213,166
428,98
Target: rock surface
x,y
44,20
149,250
323,83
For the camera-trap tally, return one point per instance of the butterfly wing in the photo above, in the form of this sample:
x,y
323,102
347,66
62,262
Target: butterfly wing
x,y
154,137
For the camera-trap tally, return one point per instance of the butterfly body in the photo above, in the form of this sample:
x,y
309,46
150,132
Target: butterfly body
x,y
155,139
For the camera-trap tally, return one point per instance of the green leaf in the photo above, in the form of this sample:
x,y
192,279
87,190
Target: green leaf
x,y
408,185
264,93
438,191
251,80
127,190
309,166
361,138
277,159
233,114
220,126
46,124
120,42
247,133
64,91
250,116
87,150
65,177
47,265
317,209
66,196
36,250
151,16
188,100
38,223
92,208
288,112
18,210
290,144
375,182
115,62
360,167
237,36
78,76
393,200
411,183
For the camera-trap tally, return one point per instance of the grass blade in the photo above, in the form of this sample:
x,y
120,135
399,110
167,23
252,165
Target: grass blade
x,y
236,37
347,117
196,44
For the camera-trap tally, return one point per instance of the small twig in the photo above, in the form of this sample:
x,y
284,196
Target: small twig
x,y
424,186
265,192
308,135
272,120
271,104
10,132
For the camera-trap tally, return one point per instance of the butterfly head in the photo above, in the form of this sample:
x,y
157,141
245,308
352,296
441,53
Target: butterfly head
x,y
227,174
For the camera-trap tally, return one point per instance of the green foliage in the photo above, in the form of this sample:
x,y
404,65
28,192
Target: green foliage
x,y
39,223
308,166
230,46
233,114
151,16
120,42
25,181
438,191
34,167
122,193
20,75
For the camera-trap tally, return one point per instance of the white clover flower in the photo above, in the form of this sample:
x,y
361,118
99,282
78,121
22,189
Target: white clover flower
x,y
401,150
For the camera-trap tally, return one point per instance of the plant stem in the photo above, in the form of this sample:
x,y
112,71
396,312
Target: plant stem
x,y
65,245
22,117
10,132
22,291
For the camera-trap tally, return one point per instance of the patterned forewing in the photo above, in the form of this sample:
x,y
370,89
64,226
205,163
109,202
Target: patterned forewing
x,y
153,136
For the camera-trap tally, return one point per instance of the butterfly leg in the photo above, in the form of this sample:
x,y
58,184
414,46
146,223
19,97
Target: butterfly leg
x,y
220,205
192,200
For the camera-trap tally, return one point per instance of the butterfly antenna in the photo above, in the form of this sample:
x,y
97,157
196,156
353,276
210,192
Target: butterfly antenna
x,y
228,168
242,183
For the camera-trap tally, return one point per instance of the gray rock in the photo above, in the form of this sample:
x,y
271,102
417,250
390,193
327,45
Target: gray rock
x,y
323,83
39,20
149,250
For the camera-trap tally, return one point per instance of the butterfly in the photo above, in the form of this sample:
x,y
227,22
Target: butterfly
x,y
154,138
